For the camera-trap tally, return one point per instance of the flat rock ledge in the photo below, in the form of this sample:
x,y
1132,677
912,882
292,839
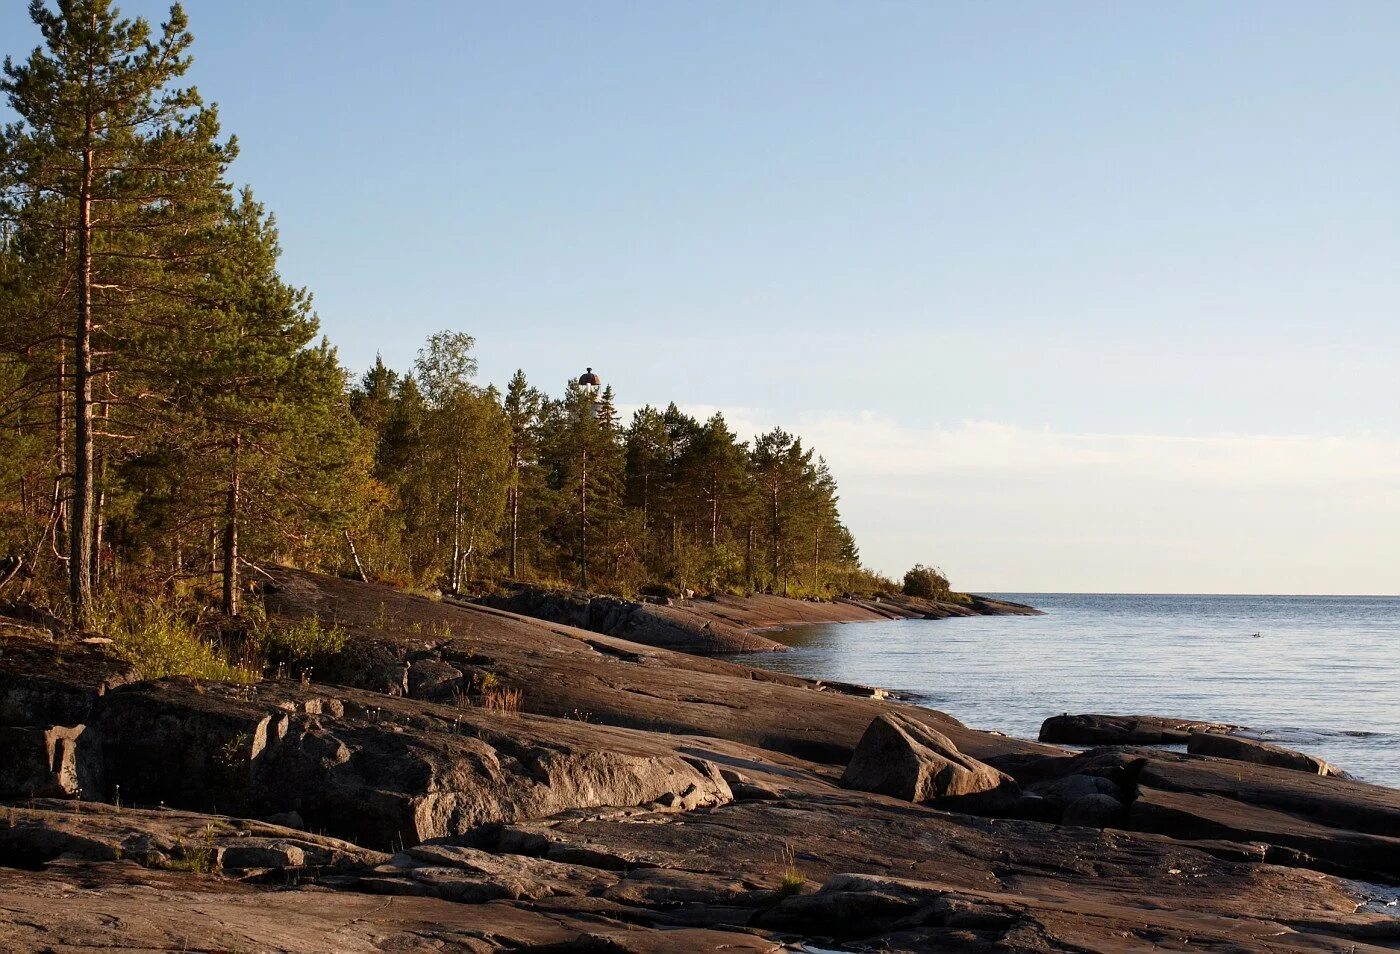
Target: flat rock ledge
x,y
1099,729
1242,749
723,624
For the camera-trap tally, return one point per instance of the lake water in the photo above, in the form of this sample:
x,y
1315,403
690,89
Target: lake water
x,y
1323,674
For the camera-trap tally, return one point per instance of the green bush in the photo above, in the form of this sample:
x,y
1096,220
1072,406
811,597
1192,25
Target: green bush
x,y
301,644
161,640
926,582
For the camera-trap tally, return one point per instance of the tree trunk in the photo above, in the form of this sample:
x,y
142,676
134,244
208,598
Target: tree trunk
x,y
99,503
515,515
455,569
774,559
748,553
230,602
80,550
61,441
355,556
583,524
714,512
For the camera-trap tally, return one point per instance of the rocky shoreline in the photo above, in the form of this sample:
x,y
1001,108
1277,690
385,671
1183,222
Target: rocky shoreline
x,y
633,798
723,624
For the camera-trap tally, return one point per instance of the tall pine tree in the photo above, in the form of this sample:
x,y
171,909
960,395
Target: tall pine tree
x,y
132,166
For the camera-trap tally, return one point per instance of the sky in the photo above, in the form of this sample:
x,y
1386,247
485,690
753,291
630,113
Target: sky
x,y
1073,297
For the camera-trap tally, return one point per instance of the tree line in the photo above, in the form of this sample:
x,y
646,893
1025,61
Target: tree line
x,y
170,415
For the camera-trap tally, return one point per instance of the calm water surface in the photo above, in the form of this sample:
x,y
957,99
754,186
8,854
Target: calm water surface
x,y
1323,675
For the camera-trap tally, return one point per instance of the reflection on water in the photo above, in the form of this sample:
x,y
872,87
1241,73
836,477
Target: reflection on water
x,y
1322,674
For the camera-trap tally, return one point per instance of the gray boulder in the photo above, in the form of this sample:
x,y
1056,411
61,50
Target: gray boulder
x,y
906,759
434,679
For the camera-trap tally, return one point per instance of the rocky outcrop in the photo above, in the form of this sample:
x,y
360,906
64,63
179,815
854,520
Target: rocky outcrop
x,y
381,771
724,624
123,906
880,912
578,674
642,801
40,831
1096,729
1241,749
905,759
1301,819
48,690
42,762
44,682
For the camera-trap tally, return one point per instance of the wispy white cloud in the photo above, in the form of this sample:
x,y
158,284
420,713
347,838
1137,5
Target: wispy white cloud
x,y
1008,507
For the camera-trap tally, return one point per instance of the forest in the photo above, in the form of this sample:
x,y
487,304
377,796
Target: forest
x,y
171,416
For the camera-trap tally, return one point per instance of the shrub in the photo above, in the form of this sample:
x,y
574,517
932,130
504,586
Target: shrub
x,y
300,644
201,858
160,640
926,582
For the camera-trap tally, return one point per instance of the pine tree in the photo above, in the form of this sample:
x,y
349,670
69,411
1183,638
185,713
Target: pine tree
x,y
581,447
780,469
133,167
648,457
258,432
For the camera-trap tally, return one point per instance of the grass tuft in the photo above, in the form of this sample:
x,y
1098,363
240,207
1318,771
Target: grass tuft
x,y
194,859
792,880
502,700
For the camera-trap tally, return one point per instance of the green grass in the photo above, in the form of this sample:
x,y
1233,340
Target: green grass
x,y
300,643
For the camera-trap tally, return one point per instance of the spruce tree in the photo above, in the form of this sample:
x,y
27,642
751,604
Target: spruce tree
x,y
780,470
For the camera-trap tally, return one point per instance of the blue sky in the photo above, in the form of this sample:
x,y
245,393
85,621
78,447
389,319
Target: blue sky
x,y
1049,283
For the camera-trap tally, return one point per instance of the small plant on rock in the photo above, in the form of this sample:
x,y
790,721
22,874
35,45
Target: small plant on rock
x,y
195,859
792,880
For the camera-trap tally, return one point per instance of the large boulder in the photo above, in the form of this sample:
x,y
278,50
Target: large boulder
x,y
1258,753
906,759
1062,791
1093,811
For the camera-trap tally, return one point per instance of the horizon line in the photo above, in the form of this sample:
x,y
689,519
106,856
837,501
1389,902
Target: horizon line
x,y
1382,596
